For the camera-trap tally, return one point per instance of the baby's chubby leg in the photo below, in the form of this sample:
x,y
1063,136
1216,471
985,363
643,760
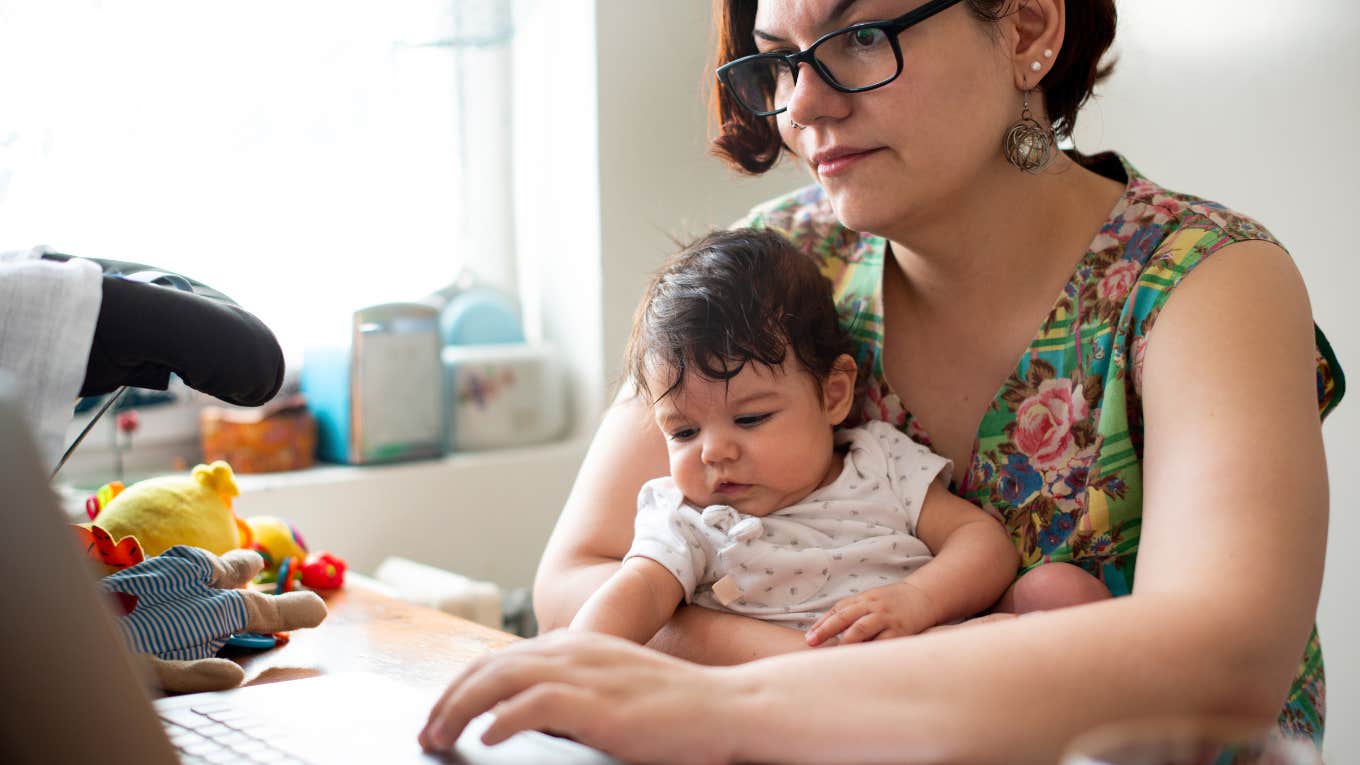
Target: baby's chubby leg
x,y
1051,586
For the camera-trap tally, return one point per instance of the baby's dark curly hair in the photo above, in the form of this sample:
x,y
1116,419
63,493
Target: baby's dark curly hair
x,y
729,299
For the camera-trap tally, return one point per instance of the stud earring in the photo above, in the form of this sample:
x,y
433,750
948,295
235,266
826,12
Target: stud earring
x,y
1028,145
1036,66
1048,53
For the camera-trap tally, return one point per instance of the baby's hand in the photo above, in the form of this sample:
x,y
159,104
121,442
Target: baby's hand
x,y
893,610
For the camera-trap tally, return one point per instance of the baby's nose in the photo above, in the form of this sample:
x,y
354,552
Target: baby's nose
x,y
720,448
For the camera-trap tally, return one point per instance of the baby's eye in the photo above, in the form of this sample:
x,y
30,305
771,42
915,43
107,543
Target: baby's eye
x,y
683,434
750,420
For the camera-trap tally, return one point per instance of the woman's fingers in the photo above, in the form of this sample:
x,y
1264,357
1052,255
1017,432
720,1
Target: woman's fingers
x,y
501,677
562,662
602,691
427,738
556,707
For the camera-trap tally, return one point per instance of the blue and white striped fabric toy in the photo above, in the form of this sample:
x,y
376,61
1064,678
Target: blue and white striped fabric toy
x,y
183,605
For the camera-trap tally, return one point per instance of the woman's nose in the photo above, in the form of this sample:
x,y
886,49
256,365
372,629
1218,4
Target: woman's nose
x,y
812,98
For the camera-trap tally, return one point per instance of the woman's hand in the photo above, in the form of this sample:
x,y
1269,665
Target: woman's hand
x,y
629,701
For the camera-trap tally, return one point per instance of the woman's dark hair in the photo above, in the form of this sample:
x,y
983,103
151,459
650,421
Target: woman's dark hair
x,y
752,144
730,299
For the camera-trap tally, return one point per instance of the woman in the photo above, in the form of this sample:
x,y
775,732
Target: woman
x,y
1132,434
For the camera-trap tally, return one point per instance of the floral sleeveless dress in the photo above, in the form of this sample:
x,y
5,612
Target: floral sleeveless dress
x,y
1059,451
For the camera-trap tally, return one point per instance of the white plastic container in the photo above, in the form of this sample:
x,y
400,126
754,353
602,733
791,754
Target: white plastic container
x,y
502,395
442,590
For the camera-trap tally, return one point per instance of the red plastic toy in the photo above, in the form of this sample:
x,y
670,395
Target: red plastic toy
x,y
323,571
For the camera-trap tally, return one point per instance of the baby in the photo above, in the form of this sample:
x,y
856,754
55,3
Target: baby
x,y
770,511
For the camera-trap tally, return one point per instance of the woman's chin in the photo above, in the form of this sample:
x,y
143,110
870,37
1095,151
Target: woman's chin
x,y
858,213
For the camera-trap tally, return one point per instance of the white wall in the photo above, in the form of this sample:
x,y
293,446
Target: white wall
x,y
657,180
1255,104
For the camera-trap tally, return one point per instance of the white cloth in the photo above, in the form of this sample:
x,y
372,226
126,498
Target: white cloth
x,y
47,315
791,566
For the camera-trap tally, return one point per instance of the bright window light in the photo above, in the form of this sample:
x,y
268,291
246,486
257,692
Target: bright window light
x,y
302,157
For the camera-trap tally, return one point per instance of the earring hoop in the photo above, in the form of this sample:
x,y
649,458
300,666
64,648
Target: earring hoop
x,y
1028,145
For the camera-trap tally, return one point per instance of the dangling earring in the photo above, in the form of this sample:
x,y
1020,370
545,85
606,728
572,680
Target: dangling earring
x,y
1028,145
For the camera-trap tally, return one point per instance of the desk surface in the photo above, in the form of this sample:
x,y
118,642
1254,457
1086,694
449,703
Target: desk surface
x,y
367,630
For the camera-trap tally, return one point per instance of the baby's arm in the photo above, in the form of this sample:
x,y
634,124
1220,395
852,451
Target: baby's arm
x,y
974,563
634,603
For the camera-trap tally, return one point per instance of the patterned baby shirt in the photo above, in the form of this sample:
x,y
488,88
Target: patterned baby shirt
x,y
791,566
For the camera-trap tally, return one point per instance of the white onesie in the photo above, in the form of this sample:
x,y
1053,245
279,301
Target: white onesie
x,y
791,566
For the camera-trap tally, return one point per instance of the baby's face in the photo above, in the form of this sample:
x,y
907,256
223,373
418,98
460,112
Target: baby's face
x,y
760,442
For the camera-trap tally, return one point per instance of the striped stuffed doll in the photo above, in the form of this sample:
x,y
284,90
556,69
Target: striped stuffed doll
x,y
181,606
171,549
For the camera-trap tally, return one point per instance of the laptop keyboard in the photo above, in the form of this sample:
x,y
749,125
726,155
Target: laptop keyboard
x,y
216,735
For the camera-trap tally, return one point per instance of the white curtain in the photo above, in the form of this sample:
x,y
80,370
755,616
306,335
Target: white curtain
x,y
305,157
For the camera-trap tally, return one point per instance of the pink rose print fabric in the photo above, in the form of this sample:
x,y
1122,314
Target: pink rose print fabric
x,y
1043,423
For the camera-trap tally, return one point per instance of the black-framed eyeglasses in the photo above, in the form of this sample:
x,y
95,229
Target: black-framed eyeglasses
x,y
852,60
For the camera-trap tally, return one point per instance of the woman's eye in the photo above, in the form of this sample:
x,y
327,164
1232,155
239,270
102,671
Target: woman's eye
x,y
866,38
751,419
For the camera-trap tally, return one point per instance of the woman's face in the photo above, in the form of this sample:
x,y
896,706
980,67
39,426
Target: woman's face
x,y
912,149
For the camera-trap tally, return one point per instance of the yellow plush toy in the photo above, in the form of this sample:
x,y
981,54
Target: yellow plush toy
x,y
174,510
279,543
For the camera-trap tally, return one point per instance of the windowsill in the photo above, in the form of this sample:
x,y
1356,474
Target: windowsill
x,y
486,515
326,473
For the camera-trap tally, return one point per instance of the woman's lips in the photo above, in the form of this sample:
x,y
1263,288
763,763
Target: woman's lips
x,y
836,163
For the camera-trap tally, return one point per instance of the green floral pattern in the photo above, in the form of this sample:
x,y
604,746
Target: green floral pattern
x,y
1059,452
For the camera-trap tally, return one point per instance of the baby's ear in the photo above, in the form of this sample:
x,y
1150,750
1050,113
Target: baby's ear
x,y
838,389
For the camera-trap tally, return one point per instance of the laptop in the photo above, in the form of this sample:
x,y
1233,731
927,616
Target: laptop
x,y
73,693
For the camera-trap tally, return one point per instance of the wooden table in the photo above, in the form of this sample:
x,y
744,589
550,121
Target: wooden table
x,y
367,630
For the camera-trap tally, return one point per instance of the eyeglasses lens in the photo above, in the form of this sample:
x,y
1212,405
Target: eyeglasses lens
x,y
855,60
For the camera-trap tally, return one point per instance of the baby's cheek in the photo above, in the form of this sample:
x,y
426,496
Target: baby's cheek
x,y
687,473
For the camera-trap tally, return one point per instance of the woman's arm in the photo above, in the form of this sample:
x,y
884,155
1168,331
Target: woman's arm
x,y
595,530
1230,565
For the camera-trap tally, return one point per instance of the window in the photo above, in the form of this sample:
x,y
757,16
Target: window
x,y
305,157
